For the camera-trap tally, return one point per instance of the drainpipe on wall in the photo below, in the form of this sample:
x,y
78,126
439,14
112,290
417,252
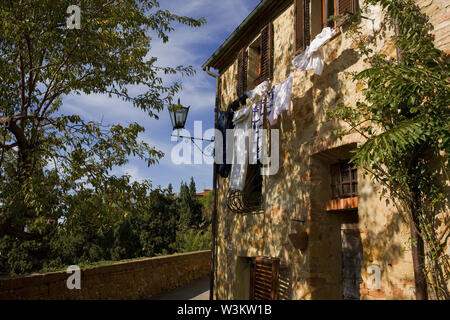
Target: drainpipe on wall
x,y
214,211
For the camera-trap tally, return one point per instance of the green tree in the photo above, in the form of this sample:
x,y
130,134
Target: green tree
x,y
192,240
122,223
405,119
207,202
189,206
157,223
48,159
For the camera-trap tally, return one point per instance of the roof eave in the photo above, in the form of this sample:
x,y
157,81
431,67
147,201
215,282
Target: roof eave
x,y
236,33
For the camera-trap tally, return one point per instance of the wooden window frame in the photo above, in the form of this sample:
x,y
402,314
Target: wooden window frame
x,y
302,25
259,60
241,76
325,16
344,167
265,63
337,11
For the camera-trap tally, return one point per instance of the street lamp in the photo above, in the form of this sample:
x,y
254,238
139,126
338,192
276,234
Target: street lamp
x,y
178,115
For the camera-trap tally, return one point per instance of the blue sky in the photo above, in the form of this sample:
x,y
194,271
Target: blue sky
x,y
186,46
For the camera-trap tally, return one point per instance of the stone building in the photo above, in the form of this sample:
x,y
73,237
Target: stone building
x,y
319,229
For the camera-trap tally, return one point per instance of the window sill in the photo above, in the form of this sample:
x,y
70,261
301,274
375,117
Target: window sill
x,y
342,204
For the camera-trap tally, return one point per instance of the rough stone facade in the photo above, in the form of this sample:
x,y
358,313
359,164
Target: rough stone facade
x,y
140,279
294,199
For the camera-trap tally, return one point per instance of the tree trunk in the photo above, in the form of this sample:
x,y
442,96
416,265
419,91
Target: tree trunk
x,y
418,256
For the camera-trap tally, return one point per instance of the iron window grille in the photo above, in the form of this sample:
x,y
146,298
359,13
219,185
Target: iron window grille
x,y
249,200
344,180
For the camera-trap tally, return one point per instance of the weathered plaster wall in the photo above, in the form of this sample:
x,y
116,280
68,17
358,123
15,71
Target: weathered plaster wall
x,y
140,279
294,198
439,13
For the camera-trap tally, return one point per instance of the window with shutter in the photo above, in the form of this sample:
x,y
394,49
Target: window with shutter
x,y
328,10
346,6
302,24
242,73
266,54
264,279
336,7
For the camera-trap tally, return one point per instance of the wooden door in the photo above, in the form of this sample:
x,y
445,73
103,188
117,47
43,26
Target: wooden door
x,y
351,263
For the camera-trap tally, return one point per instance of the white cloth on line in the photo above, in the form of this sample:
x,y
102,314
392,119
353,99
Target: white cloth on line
x,y
257,136
259,90
242,124
312,59
279,99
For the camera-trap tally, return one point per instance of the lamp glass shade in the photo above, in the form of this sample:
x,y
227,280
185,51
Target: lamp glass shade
x,y
178,115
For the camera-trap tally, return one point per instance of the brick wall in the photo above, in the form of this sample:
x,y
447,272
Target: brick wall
x,y
140,279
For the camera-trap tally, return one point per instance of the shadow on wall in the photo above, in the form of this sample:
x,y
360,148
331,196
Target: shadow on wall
x,y
297,191
385,240
295,187
309,112
380,236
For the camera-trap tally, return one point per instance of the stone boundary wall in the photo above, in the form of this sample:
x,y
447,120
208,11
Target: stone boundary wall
x,y
141,279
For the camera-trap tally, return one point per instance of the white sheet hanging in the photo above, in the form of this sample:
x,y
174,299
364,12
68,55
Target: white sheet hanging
x,y
242,124
279,99
259,91
312,59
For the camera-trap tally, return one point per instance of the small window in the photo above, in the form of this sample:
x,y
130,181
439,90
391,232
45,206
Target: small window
x,y
254,63
264,55
253,186
264,279
328,10
336,7
249,200
344,180
302,24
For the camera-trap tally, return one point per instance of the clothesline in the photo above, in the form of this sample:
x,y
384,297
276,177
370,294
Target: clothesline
x,y
248,121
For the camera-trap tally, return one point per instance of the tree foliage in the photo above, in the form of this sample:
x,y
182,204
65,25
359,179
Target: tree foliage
x,y
405,119
145,224
59,202
190,206
52,164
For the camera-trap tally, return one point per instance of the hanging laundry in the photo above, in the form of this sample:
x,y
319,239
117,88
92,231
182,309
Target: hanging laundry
x,y
224,123
279,99
312,59
241,121
257,136
234,105
259,91
243,99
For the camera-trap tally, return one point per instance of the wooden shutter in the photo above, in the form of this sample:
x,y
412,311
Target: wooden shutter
x,y
346,6
242,72
266,53
302,24
264,279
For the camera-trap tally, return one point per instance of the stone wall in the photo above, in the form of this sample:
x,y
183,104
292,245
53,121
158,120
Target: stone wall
x,y
294,199
439,13
140,279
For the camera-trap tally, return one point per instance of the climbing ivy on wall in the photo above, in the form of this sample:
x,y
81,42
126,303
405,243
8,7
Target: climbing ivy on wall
x,y
405,120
